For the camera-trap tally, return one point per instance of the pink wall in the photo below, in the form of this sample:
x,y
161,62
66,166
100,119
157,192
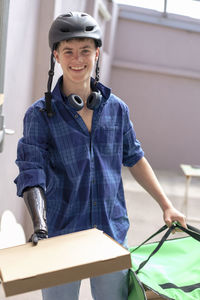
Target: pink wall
x,y
156,71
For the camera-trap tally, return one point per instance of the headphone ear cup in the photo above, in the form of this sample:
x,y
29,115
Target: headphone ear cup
x,y
75,101
94,100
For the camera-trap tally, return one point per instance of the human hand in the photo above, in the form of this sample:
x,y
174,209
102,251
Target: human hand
x,y
39,235
171,215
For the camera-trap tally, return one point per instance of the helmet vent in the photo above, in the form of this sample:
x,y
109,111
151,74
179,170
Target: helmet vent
x,y
83,15
65,30
67,15
89,28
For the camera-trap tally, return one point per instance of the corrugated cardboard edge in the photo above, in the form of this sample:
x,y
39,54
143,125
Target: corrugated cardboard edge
x,y
115,241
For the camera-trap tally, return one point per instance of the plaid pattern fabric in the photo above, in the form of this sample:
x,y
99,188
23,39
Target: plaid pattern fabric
x,y
79,171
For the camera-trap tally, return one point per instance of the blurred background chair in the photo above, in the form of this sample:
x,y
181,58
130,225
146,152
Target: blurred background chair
x,y
189,172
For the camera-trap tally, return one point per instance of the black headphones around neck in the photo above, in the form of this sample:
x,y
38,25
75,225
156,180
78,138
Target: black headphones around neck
x,y
93,101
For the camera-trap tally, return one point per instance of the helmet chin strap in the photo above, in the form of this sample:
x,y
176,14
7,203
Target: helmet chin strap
x,y
97,71
48,95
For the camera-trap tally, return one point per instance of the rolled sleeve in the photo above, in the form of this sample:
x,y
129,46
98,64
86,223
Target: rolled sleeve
x,y
29,178
32,153
132,150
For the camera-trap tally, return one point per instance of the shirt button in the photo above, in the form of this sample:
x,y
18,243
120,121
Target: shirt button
x,y
95,203
76,116
95,226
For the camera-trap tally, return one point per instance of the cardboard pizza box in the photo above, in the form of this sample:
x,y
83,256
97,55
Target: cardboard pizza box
x,y
60,260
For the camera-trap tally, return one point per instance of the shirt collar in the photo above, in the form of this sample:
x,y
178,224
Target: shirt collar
x,y
58,94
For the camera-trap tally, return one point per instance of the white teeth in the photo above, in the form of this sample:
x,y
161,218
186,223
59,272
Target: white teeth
x,y
77,68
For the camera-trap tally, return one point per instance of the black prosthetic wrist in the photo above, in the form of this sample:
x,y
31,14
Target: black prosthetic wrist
x,y
36,203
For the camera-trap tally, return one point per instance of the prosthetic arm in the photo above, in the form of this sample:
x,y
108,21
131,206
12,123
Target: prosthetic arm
x,y
36,203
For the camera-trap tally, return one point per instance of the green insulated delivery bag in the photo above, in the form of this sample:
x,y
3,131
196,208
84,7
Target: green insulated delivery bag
x,y
170,268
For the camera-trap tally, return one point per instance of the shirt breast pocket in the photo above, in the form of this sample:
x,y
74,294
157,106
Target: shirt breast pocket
x,y
109,140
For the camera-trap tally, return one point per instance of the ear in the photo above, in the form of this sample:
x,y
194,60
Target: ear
x,y
56,55
97,54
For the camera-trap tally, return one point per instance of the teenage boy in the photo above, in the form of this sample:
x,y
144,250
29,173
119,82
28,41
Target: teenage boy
x,y
70,156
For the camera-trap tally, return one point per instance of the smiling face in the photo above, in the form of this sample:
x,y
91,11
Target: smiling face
x,y
77,58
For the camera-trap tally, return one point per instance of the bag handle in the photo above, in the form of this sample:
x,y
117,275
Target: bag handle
x,y
152,236
190,230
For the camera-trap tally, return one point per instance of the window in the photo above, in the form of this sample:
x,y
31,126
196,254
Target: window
x,y
189,8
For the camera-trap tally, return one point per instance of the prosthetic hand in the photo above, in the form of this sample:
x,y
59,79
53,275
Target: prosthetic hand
x,y
36,203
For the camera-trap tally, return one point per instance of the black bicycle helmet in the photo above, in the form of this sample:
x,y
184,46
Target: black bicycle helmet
x,y
74,25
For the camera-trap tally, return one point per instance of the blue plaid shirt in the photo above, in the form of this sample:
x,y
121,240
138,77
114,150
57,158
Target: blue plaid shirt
x,y
79,171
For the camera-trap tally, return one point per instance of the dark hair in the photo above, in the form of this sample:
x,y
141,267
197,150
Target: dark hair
x,y
56,45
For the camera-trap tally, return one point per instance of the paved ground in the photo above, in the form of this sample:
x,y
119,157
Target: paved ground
x,y
144,214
